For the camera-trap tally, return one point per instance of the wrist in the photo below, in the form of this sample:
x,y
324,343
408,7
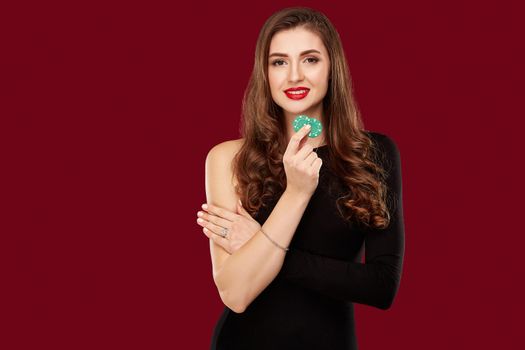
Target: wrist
x,y
296,196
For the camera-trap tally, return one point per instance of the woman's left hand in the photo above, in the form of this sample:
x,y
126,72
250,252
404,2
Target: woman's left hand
x,y
241,226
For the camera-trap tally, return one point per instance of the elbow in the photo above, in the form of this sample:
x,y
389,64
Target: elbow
x,y
231,300
232,303
385,303
387,296
237,310
388,286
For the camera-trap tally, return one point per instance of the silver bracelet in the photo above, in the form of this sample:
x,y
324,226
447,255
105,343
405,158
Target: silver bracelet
x,y
274,242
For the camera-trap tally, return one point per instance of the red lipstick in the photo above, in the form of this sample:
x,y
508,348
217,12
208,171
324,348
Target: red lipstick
x,y
297,93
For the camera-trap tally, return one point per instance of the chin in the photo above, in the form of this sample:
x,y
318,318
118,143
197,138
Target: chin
x,y
297,107
296,111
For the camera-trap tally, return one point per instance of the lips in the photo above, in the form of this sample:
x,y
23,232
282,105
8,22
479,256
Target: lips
x,y
296,93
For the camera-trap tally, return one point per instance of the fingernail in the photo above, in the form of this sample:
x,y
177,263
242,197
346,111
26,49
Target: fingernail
x,y
240,203
205,206
308,126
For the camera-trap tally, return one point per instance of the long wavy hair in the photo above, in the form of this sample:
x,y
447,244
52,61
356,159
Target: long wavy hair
x,y
258,165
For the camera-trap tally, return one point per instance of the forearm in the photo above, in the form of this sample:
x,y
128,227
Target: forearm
x,y
248,271
374,283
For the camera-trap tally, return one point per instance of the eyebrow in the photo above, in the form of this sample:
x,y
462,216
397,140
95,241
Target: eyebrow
x,y
285,55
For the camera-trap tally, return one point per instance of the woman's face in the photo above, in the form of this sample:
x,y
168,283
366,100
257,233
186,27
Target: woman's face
x,y
298,58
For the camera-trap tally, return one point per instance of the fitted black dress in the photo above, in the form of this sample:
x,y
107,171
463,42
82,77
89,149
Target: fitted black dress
x,y
309,305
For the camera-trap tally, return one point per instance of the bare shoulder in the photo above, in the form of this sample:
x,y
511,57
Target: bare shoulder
x,y
227,149
223,153
220,180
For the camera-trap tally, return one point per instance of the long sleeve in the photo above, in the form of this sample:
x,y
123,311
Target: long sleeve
x,y
374,282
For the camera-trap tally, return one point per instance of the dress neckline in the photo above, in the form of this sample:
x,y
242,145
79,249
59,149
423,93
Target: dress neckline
x,y
322,146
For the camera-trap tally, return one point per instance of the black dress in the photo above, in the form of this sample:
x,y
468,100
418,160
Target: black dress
x,y
309,305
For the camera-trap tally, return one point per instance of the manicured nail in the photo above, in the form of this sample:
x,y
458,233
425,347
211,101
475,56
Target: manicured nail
x,y
205,206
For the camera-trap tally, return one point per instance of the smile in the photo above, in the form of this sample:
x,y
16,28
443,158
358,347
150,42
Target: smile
x,y
296,95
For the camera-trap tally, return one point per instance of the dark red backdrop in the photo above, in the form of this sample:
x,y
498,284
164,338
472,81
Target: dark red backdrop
x,y
108,111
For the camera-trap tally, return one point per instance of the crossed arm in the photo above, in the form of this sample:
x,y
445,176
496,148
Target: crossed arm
x,y
373,283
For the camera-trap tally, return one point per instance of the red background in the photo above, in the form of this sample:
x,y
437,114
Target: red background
x,y
108,111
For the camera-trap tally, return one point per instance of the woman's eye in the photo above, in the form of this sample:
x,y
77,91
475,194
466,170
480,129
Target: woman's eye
x,y
315,60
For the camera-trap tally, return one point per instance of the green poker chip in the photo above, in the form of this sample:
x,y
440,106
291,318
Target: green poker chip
x,y
315,125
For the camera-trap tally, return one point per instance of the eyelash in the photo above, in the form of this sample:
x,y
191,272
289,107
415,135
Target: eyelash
x,y
308,58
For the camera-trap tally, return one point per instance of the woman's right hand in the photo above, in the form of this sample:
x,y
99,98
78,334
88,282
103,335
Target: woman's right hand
x,y
301,164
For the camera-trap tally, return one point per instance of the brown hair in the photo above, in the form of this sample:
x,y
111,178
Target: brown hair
x,y
258,165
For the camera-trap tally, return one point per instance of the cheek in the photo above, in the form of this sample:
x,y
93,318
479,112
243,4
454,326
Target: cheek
x,y
320,76
275,80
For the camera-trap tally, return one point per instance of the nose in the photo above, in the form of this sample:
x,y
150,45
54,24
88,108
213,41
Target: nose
x,y
295,74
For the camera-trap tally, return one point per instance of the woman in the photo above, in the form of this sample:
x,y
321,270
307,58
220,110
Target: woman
x,y
288,214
